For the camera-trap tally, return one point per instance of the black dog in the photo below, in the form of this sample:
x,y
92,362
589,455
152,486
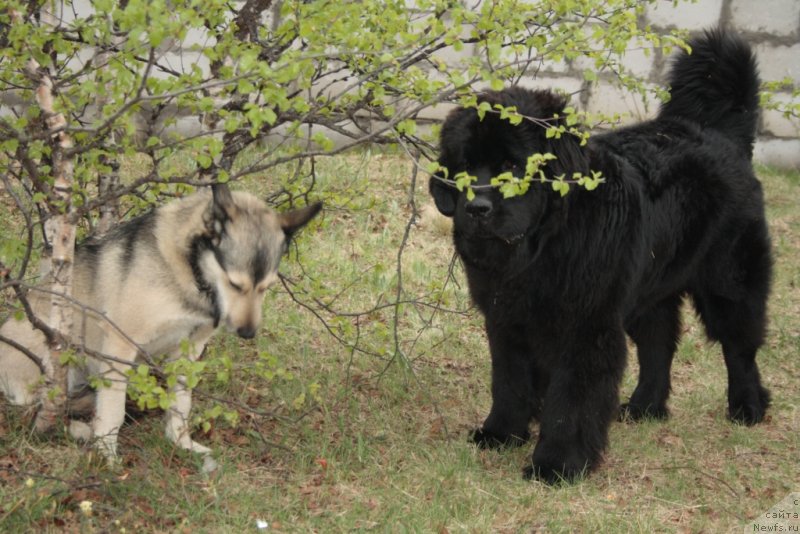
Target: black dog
x,y
561,280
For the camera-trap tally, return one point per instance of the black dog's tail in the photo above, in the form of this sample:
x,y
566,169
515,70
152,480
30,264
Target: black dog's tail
x,y
717,86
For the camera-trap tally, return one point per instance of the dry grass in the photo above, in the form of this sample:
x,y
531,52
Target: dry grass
x,y
384,446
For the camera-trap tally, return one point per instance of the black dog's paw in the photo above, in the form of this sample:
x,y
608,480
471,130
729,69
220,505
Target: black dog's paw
x,y
486,439
554,462
636,412
555,473
749,407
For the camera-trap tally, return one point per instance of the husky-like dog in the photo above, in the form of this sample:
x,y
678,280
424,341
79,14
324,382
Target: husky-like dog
x,y
150,284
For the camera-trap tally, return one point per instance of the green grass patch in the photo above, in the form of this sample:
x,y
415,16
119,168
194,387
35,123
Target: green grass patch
x,y
369,431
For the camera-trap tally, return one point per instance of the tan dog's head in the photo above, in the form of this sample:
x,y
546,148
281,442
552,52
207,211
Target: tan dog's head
x,y
247,240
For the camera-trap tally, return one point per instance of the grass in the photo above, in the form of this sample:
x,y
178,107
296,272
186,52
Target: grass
x,y
383,445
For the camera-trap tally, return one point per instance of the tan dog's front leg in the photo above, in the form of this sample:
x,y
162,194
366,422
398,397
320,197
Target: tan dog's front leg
x,y
177,424
109,413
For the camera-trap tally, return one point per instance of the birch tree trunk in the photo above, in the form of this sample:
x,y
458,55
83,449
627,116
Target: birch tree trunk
x,y
60,233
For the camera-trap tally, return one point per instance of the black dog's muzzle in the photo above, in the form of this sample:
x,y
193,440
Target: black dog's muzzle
x,y
479,207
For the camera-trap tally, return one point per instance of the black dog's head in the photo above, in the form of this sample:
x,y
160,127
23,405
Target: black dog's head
x,y
488,147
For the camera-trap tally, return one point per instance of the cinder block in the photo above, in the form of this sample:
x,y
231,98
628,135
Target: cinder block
x,y
197,37
776,17
78,62
639,62
609,99
67,14
777,62
564,85
184,126
776,124
333,84
437,112
453,57
686,15
634,61
547,65
782,153
184,60
582,62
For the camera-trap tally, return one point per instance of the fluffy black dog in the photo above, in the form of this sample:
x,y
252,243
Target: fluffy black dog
x,y
561,280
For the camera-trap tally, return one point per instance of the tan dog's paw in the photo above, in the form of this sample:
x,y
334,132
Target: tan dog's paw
x,y
80,431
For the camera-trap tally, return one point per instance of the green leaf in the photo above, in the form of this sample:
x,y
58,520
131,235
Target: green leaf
x,y
561,186
9,145
483,107
323,141
269,116
407,126
433,167
204,160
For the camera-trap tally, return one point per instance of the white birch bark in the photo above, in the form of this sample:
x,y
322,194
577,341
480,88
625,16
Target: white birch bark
x,y
60,232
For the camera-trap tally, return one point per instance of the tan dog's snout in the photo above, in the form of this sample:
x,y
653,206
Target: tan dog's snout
x,y
244,314
244,304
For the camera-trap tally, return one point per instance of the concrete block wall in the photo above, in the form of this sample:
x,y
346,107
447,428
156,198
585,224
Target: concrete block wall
x,y
771,26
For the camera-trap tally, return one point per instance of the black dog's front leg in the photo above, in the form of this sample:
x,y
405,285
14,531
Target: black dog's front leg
x,y
516,390
580,403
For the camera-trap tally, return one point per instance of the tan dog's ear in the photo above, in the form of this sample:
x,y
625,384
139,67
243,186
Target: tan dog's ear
x,y
222,209
292,221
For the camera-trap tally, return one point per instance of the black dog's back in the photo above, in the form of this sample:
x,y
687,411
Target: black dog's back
x,y
694,160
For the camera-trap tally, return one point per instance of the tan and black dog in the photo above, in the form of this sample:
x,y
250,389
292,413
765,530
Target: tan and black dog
x,y
154,282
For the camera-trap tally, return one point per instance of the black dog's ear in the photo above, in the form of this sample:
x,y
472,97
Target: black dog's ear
x,y
292,221
444,195
570,156
567,148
